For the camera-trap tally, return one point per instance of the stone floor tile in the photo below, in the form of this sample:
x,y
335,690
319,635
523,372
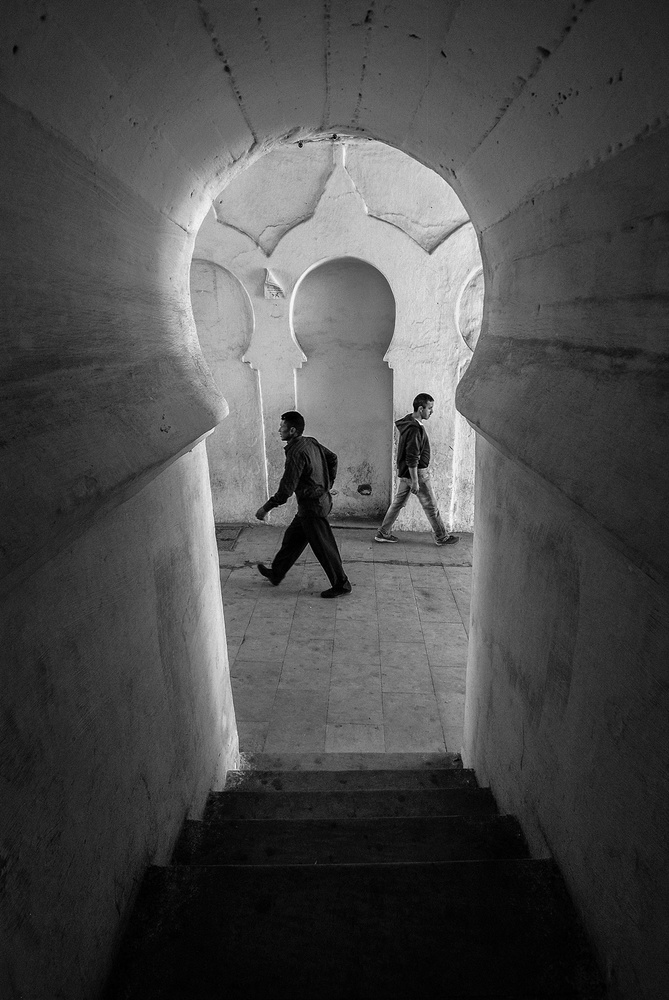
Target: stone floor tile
x,y
253,701
355,649
308,651
252,735
306,674
464,607
400,628
361,703
459,577
449,680
303,737
347,670
360,568
384,553
395,600
262,648
395,654
451,710
411,723
407,676
446,612
237,614
261,672
292,707
352,737
224,572
390,573
261,625
306,628
411,708
430,556
233,643
354,629
454,739
317,610
355,609
446,645
277,605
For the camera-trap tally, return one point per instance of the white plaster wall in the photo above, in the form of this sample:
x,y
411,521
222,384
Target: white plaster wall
x,y
117,720
568,708
344,318
236,449
298,206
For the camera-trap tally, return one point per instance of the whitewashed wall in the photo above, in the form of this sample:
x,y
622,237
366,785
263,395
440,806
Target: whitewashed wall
x,y
301,205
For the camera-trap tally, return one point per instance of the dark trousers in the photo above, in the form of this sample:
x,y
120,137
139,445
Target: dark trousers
x,y
314,530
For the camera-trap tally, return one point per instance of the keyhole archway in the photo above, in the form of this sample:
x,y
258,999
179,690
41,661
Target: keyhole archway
x,y
343,316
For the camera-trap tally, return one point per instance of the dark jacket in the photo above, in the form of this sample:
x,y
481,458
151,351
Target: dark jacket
x,y
413,448
309,473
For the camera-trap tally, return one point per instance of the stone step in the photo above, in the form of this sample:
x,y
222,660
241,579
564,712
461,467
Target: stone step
x,y
350,761
466,801
457,930
331,781
351,841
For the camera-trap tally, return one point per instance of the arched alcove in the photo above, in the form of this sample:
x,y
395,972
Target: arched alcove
x,y
224,320
343,315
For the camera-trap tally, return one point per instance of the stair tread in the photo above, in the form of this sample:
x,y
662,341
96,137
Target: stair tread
x,y
350,761
362,841
349,803
473,928
271,781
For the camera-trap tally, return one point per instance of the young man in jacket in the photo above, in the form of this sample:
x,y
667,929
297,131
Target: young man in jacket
x,y
413,460
309,473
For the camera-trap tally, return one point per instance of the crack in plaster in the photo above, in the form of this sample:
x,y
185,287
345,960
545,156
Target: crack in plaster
x,y
430,65
327,18
263,36
520,83
209,27
369,21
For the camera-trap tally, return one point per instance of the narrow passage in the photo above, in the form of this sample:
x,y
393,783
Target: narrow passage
x,y
380,671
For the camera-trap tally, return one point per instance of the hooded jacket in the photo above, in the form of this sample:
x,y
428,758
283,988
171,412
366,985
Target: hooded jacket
x,y
413,448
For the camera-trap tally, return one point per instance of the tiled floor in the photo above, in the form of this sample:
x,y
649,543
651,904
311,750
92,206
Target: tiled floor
x,y
380,670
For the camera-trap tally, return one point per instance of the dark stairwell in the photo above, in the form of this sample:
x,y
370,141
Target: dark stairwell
x,y
351,876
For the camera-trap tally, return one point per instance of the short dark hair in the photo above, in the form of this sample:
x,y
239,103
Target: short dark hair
x,y
421,399
294,419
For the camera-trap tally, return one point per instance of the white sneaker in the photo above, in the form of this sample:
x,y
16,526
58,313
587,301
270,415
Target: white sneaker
x,y
378,537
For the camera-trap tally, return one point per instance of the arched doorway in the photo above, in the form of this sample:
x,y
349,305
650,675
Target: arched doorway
x,y
343,315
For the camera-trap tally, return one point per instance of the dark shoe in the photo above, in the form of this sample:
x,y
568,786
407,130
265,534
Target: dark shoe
x,y
451,540
340,591
267,573
380,537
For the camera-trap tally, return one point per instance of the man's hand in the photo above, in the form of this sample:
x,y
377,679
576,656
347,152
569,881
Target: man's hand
x,y
415,485
261,513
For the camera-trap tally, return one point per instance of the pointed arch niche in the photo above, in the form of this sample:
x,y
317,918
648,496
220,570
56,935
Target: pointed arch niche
x,y
343,317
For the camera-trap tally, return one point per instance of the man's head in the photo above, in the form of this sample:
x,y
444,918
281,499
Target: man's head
x,y
423,405
291,426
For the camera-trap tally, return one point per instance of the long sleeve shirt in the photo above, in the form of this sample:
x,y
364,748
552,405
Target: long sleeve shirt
x,y
309,473
413,448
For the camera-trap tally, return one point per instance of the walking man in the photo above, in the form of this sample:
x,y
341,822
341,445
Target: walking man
x,y
413,459
309,473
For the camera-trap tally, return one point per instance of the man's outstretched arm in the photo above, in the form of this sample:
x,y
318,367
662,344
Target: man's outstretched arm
x,y
289,480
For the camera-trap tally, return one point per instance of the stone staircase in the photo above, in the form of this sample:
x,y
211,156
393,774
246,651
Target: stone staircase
x,y
353,876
